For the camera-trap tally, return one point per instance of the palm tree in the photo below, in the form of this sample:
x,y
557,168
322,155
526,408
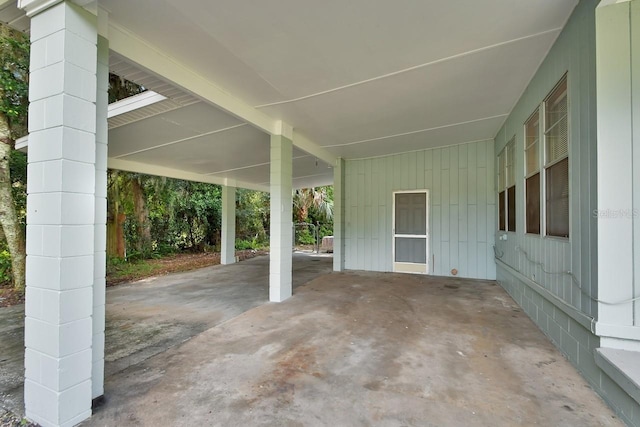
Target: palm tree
x,y
319,198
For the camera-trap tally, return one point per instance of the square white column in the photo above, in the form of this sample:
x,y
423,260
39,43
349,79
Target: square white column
x,y
618,152
281,235
100,224
338,215
61,216
228,245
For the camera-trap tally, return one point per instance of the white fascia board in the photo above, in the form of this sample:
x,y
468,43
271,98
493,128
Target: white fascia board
x,y
134,102
313,149
605,3
129,166
22,143
33,7
157,62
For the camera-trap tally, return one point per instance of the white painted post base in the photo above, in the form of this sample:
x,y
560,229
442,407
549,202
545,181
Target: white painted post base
x,y
61,216
280,253
228,245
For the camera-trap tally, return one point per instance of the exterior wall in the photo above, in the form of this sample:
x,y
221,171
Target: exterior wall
x,y
555,302
573,52
462,216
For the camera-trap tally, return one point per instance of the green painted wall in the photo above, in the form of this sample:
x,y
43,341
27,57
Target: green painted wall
x,y
555,301
573,53
460,180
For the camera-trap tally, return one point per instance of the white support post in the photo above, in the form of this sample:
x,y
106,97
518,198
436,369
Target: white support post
x,y
228,246
338,215
618,151
100,225
61,215
280,253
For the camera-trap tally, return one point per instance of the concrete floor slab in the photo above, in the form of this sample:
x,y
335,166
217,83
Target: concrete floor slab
x,y
149,316
361,349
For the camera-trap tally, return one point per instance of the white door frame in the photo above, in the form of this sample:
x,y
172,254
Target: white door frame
x,y
410,267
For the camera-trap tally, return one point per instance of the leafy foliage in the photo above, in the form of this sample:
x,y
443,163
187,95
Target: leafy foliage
x,y
5,265
252,217
18,168
14,79
121,88
313,206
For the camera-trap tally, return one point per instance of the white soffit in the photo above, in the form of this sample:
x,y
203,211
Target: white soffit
x,y
12,16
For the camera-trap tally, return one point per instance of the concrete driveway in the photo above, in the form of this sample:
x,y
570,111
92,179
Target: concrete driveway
x,y
348,349
147,317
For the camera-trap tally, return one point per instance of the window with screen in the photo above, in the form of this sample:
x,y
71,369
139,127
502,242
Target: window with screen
x,y
507,188
502,193
511,184
532,173
556,161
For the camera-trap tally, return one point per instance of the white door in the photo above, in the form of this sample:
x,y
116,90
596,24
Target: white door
x,y
411,231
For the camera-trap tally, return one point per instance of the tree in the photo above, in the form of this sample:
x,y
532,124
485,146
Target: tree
x,y
317,198
252,216
14,81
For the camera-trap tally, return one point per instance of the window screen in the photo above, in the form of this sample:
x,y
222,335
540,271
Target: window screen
x,y
501,170
502,194
556,132
558,199
502,210
557,161
533,204
532,158
511,184
532,173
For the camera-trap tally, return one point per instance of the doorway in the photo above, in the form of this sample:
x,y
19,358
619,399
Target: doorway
x,y
411,231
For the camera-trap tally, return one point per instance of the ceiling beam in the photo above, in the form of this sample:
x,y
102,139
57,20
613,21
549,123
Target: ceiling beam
x,y
321,153
129,166
133,103
159,63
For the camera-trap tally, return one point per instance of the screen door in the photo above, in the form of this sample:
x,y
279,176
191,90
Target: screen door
x,y
411,232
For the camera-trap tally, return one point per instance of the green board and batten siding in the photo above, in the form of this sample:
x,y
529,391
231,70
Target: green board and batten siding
x,y
554,301
461,185
573,53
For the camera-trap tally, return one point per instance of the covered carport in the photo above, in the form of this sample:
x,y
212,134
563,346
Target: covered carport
x,y
380,99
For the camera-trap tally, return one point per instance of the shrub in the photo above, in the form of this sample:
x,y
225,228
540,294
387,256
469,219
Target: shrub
x,y
5,266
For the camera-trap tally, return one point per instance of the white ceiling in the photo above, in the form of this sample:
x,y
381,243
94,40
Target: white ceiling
x,y
357,77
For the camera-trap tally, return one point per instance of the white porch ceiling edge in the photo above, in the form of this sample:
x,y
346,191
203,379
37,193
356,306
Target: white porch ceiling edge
x,y
131,166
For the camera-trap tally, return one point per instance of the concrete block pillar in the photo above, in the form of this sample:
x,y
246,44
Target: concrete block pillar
x,y
280,252
228,246
618,152
338,215
100,225
60,214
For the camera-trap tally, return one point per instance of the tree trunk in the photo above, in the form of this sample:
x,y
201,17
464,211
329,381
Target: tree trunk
x,y
142,217
8,218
